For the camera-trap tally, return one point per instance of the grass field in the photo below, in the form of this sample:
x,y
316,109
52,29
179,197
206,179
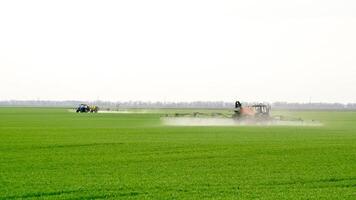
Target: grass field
x,y
50,153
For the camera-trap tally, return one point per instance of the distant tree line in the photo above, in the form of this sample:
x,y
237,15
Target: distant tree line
x,y
194,104
314,106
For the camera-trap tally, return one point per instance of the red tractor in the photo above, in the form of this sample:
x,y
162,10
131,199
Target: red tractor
x,y
254,111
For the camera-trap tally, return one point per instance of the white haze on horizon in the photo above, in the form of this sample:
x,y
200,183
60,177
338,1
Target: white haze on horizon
x,y
209,50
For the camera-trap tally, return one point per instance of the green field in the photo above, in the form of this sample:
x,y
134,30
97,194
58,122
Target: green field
x,y
50,153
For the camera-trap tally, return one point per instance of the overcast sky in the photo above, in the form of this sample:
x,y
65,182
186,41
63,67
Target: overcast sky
x,y
184,50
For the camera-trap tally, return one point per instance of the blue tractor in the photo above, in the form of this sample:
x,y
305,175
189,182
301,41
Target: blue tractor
x,y
83,108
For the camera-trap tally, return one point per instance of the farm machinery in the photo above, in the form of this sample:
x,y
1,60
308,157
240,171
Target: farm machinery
x,y
257,111
254,112
84,108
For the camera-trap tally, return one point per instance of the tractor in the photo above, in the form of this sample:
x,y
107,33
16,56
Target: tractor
x,y
84,108
258,111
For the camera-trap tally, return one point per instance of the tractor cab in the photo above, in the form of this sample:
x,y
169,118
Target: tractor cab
x,y
262,109
83,108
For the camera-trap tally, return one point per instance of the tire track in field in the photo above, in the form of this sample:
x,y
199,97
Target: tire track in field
x,y
319,181
39,194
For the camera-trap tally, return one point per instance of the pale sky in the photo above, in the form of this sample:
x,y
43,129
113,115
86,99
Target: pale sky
x,y
186,50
